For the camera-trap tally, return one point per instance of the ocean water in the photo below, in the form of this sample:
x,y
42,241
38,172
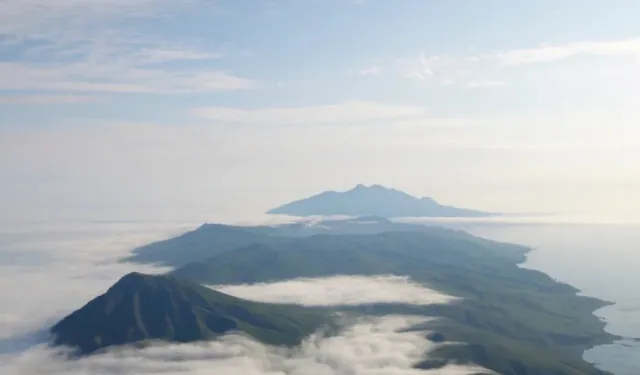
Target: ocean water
x,y
603,261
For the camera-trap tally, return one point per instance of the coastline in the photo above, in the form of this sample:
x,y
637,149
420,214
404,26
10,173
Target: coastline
x,y
599,303
596,256
596,304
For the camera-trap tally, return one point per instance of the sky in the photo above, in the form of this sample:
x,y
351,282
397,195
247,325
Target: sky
x,y
122,109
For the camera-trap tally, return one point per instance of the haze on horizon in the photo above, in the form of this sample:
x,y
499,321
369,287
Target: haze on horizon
x,y
181,109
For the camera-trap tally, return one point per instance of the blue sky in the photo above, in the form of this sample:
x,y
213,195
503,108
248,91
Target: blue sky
x,y
501,105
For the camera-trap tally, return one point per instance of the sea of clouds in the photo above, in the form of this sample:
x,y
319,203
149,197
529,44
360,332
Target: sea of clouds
x,y
340,291
49,270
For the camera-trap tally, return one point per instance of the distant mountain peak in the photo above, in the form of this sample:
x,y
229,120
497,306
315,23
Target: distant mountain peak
x,y
373,200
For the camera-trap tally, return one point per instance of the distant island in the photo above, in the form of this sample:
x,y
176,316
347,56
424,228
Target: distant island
x,y
372,200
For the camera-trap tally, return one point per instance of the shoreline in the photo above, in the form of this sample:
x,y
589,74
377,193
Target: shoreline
x,y
601,304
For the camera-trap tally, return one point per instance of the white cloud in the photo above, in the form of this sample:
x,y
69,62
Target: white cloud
x,y
368,347
159,55
58,29
423,67
550,53
372,70
48,19
62,265
46,99
116,78
485,70
340,290
484,84
73,46
352,111
443,70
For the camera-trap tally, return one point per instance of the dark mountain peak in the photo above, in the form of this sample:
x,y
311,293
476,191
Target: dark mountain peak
x,y
135,281
139,308
135,277
131,282
374,200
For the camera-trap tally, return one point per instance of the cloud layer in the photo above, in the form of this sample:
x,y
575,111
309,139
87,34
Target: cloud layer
x,y
351,111
369,347
340,290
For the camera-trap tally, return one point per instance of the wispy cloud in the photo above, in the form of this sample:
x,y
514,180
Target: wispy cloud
x,y
484,84
372,70
443,70
84,76
352,111
46,99
550,53
484,70
64,20
159,55
73,46
424,67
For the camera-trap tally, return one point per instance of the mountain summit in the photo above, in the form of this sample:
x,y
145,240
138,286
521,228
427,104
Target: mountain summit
x,y
140,308
374,200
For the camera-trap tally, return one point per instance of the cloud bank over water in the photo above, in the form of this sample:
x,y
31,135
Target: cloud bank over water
x,y
51,273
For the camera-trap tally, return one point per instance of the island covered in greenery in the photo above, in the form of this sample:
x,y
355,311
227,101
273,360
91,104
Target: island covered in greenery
x,y
507,319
